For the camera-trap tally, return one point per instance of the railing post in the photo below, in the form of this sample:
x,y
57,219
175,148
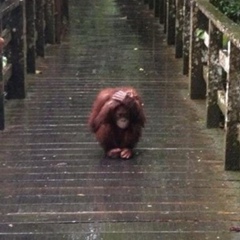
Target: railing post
x,y
186,36
162,11
58,20
151,4
61,18
50,21
156,8
232,145
197,84
40,28
31,41
214,77
170,24
2,97
179,29
17,84
66,10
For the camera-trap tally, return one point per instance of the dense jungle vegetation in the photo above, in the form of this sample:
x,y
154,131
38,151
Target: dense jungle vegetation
x,y
229,7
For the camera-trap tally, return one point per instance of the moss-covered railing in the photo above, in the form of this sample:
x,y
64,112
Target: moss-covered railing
x,y
209,44
215,72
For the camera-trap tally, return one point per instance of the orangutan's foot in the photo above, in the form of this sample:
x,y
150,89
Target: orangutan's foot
x,y
126,153
114,153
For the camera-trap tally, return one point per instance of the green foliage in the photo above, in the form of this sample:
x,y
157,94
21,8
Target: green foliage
x,y
229,7
200,33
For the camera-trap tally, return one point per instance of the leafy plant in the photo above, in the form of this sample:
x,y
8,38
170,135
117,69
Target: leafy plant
x,y
229,7
200,33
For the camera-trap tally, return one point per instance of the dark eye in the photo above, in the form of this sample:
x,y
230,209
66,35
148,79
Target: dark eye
x,y
120,115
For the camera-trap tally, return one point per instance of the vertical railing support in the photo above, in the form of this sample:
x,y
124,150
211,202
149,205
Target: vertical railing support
x,y
151,4
162,11
232,145
17,84
179,29
58,20
2,97
40,27
197,84
50,21
186,36
156,8
170,24
214,77
31,38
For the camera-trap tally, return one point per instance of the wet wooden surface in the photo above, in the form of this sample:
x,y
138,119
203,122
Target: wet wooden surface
x,y
55,182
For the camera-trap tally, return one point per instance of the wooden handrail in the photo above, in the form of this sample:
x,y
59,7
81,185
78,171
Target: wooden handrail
x,y
212,66
222,22
8,6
